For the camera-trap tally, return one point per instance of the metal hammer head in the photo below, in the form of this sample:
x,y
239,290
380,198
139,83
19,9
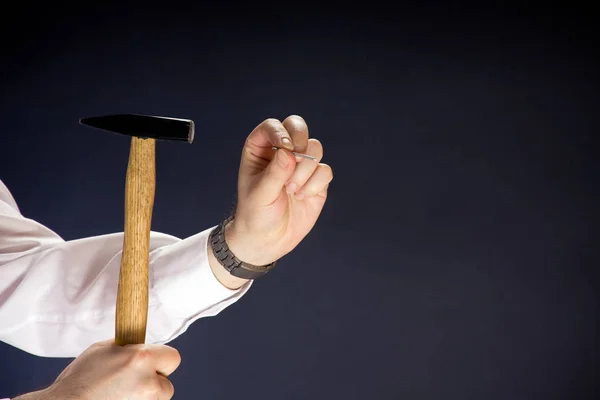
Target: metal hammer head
x,y
144,126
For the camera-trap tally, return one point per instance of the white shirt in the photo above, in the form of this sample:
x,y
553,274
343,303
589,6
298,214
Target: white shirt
x,y
58,297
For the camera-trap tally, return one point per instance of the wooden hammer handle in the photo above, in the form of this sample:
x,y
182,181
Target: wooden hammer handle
x,y
132,294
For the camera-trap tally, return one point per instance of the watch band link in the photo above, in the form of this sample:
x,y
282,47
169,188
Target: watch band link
x,y
229,261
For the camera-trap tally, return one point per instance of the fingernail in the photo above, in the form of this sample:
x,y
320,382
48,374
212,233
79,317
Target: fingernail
x,y
282,158
291,187
287,143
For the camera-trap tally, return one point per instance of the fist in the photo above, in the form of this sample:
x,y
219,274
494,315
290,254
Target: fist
x,y
106,371
280,196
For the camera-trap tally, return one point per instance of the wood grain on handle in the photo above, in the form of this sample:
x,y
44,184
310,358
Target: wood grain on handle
x,y
132,295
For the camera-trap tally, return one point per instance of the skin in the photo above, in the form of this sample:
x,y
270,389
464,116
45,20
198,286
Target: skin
x,y
278,203
106,372
280,198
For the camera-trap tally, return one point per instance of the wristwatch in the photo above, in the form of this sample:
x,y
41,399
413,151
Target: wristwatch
x,y
229,261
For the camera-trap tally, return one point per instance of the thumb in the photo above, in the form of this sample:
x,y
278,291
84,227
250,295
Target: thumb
x,y
275,176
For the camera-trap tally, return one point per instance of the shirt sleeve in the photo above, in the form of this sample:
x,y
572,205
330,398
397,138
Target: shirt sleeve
x,y
58,297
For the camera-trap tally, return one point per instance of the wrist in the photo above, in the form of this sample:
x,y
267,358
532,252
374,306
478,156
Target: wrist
x,y
241,248
222,275
233,253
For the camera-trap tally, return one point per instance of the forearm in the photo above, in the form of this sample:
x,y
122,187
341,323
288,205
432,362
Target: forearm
x,y
67,290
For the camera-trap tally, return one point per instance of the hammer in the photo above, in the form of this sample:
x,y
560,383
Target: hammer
x,y
140,183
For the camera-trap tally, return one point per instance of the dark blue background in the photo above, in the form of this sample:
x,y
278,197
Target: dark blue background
x,y
454,258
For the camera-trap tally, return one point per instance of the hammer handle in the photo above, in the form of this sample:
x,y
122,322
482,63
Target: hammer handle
x,y
132,294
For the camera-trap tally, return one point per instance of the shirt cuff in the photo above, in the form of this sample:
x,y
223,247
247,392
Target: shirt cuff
x,y
183,281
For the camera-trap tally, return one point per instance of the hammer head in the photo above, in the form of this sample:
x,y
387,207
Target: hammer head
x,y
144,126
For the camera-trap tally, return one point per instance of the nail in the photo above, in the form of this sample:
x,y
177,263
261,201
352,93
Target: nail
x,y
287,143
282,158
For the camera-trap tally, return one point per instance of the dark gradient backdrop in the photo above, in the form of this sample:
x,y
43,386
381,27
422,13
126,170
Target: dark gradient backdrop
x,y
454,258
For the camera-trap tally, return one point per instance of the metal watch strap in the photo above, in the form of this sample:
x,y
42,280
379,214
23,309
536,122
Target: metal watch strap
x,y
229,261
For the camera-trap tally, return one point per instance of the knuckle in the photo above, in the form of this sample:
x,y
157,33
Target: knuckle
x,y
140,356
103,344
315,147
95,346
327,171
176,358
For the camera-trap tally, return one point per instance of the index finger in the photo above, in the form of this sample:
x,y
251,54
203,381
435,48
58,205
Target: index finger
x,y
269,133
165,359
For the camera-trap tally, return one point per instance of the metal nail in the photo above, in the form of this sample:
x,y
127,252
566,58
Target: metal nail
x,y
299,154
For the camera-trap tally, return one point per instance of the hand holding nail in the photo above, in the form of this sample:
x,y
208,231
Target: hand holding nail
x,y
282,188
